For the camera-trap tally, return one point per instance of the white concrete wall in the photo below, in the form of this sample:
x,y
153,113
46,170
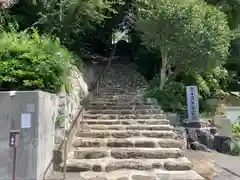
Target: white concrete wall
x,y
233,112
36,142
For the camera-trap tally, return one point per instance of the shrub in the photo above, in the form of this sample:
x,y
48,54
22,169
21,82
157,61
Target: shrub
x,y
172,98
30,62
235,148
236,127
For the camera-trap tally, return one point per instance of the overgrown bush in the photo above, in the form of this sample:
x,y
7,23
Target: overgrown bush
x,y
235,148
236,128
173,96
30,62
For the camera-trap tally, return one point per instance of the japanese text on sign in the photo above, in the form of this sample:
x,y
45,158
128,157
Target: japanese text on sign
x,y
192,103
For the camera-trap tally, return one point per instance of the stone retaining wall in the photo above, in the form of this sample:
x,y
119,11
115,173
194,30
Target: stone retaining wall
x,y
70,103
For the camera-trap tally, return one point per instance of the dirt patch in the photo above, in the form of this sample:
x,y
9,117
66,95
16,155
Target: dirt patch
x,y
206,164
203,163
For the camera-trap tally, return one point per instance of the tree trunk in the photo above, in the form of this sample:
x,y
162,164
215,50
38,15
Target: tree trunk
x,y
163,69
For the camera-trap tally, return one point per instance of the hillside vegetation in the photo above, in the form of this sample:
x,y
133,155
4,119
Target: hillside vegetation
x,y
173,43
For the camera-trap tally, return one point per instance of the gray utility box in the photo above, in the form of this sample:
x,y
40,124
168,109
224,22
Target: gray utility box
x,y
34,114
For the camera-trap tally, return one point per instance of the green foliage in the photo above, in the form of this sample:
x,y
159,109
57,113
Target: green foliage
x,y
192,39
30,61
146,62
172,97
233,63
231,8
59,121
7,22
70,21
210,84
235,148
236,126
190,36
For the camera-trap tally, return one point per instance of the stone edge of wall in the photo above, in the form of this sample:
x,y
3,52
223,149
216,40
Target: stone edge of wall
x,y
69,106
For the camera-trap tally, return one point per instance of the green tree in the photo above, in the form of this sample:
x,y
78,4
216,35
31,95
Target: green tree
x,y
71,20
231,8
189,36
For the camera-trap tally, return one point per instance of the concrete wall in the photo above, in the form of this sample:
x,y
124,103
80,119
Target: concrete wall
x,y
233,112
174,119
36,142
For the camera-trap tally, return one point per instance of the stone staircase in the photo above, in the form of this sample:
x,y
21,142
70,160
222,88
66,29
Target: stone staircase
x,y
125,137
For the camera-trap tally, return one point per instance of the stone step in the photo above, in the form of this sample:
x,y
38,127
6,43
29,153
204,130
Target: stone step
x,y
127,153
124,111
131,127
105,103
102,93
156,174
108,94
126,121
111,164
130,142
103,88
124,116
108,89
122,98
126,134
105,94
119,89
123,106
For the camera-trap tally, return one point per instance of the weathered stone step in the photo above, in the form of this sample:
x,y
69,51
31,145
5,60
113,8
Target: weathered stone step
x,y
127,121
102,93
131,127
126,94
110,164
108,89
108,94
124,111
127,153
119,90
104,103
118,99
130,142
123,106
124,174
127,134
124,116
